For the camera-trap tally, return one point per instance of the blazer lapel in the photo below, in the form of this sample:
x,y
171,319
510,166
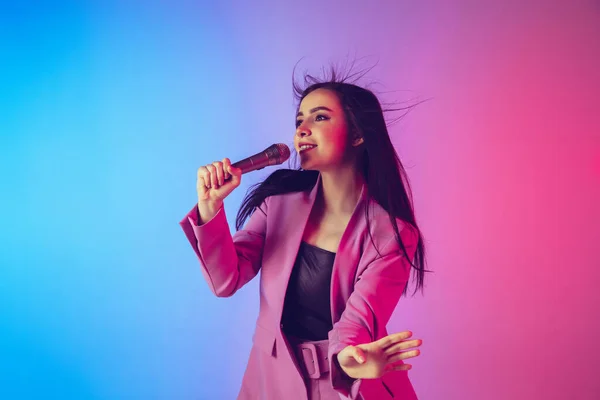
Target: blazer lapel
x,y
347,258
296,215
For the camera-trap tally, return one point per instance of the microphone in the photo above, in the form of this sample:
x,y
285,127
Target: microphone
x,y
273,155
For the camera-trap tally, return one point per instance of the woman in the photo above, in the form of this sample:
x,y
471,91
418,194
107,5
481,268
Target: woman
x,y
335,242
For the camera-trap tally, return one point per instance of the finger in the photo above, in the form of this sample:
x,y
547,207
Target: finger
x,y
404,345
359,355
236,174
201,182
397,367
204,177
404,355
213,175
219,169
392,339
200,186
226,163
235,171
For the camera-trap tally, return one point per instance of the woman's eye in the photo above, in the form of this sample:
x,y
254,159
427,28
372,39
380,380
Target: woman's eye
x,y
321,117
298,122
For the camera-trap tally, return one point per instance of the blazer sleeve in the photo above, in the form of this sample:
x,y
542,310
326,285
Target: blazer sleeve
x,y
227,262
370,306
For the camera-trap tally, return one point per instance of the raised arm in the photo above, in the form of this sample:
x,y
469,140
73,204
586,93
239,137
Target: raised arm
x,y
227,262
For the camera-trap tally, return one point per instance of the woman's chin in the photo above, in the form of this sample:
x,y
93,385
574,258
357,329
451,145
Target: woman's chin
x,y
307,166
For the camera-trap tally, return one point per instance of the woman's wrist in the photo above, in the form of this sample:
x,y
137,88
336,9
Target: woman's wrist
x,y
207,210
342,370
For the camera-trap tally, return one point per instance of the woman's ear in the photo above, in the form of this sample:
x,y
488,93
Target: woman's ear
x,y
358,141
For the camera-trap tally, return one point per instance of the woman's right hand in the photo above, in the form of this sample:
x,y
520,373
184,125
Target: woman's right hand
x,y
215,182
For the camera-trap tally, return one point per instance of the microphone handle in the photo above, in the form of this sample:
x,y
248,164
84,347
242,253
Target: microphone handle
x,y
273,155
256,162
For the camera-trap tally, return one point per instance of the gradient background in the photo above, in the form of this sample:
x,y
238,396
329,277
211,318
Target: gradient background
x,y
107,109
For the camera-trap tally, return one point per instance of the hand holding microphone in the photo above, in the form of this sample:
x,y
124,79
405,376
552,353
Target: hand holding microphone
x,y
217,180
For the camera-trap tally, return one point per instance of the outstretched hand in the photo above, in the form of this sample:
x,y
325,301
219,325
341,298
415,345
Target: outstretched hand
x,y
372,360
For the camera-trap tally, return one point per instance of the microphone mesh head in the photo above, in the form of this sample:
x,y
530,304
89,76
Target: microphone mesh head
x,y
283,151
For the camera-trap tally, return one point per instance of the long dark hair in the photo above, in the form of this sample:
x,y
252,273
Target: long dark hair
x,y
383,172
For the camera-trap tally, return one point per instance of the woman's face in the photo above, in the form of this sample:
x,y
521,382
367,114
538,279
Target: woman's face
x,y
321,123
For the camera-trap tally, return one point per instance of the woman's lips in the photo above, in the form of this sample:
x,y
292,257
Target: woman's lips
x,y
305,150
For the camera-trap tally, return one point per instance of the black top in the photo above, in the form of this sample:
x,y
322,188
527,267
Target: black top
x,y
307,308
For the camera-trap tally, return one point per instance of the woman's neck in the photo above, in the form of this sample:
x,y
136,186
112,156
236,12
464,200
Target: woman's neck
x,y
339,191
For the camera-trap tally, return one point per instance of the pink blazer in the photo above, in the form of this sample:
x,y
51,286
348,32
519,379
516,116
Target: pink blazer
x,y
365,288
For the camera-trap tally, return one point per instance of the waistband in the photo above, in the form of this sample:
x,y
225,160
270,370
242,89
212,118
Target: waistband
x,y
311,356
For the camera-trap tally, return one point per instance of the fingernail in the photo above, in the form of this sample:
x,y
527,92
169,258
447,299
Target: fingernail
x,y
361,360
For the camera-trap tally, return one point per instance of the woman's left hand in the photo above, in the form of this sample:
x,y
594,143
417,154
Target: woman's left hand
x,y
372,360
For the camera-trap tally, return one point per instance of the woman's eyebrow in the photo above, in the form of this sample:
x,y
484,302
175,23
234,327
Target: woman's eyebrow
x,y
319,108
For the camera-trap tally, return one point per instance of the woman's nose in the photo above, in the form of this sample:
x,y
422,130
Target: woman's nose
x,y
302,131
